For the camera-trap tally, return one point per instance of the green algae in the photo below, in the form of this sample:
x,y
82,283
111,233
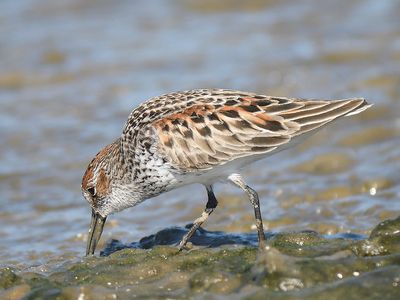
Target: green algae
x,y
384,240
8,278
304,265
379,284
308,244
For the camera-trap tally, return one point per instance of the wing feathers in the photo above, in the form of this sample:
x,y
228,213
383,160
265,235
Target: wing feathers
x,y
237,124
311,111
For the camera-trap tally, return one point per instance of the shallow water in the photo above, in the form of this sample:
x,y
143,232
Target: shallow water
x,y
71,71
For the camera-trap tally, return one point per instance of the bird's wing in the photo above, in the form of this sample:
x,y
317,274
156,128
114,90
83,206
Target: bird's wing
x,y
212,131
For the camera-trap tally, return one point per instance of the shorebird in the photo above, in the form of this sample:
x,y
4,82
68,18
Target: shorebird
x,y
199,136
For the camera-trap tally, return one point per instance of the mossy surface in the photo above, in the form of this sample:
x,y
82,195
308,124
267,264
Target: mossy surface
x,y
304,265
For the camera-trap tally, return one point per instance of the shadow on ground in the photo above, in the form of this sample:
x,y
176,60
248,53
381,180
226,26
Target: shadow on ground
x,y
173,235
209,239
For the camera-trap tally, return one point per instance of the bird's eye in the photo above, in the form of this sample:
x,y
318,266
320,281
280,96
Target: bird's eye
x,y
92,191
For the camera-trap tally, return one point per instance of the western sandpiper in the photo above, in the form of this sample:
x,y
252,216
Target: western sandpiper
x,y
199,136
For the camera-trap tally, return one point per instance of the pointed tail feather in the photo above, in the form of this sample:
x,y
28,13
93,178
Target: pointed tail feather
x,y
316,118
361,107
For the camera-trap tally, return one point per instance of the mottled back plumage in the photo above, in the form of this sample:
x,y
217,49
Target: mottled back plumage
x,y
199,129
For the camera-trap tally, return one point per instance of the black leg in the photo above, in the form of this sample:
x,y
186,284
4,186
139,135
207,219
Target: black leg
x,y
253,197
210,206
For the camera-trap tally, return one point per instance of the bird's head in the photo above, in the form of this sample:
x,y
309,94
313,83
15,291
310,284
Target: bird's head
x,y
96,189
96,182
107,187
102,188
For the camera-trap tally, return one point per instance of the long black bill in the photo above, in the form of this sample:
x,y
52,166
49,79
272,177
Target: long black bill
x,y
95,231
